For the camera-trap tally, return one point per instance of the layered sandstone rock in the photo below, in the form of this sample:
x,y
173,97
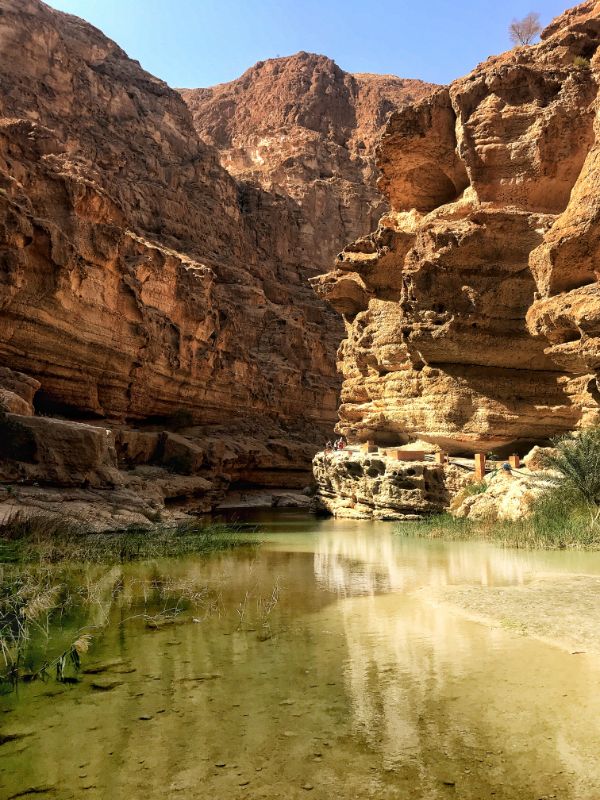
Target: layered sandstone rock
x,y
566,313
138,279
58,452
303,127
492,188
17,392
379,486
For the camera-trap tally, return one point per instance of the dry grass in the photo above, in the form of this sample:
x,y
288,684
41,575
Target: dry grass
x,y
46,539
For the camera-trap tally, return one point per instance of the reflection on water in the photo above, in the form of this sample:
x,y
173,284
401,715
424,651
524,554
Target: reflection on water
x,y
360,689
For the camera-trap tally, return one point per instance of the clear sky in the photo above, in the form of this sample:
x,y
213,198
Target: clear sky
x,y
192,43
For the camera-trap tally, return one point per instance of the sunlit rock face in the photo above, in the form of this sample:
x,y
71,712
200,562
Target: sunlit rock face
x,y
303,127
472,311
138,278
379,486
566,313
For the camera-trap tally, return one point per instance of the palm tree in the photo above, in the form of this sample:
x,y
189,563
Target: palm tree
x,y
576,462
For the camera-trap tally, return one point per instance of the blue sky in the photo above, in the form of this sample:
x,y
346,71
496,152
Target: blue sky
x,y
203,42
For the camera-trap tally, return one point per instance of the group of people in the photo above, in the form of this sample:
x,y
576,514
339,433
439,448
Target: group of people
x,y
339,444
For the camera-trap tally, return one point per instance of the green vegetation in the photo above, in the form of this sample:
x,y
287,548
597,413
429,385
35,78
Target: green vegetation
x,y
476,487
49,540
556,522
581,63
52,571
566,514
576,465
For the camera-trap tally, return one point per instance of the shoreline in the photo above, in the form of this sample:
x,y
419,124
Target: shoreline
x,y
560,610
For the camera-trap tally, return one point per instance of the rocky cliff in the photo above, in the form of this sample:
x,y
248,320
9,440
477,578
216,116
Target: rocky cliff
x,y
303,127
472,313
140,283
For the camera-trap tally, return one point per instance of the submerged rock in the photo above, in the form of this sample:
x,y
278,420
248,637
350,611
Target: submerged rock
x,y
105,685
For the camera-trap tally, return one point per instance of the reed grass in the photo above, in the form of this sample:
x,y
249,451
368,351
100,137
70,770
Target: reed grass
x,y
49,567
559,520
45,539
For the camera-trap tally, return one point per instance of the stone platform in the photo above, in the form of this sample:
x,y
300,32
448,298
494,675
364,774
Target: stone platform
x,y
377,486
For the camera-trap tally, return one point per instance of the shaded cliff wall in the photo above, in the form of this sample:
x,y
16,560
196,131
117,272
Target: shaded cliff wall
x,y
137,277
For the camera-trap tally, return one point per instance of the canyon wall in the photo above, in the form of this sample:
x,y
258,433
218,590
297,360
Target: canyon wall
x,y
302,127
137,276
142,289
159,339
472,311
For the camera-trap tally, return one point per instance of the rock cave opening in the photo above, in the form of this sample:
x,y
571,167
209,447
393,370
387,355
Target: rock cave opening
x,y
46,404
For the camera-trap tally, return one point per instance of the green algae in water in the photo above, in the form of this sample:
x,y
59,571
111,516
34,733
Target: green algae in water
x,y
46,576
362,690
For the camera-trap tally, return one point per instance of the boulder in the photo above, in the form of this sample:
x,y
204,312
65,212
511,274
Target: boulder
x,y
136,447
57,451
535,460
180,454
364,486
508,496
17,391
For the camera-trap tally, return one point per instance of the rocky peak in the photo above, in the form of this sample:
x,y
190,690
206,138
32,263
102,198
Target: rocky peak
x,y
305,90
303,127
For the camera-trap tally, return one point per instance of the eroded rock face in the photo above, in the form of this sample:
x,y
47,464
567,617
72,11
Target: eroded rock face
x,y
57,452
377,486
489,182
566,313
303,127
17,392
137,277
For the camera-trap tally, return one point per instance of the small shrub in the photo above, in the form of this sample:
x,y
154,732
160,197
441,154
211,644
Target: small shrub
x,y
581,63
524,31
475,487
